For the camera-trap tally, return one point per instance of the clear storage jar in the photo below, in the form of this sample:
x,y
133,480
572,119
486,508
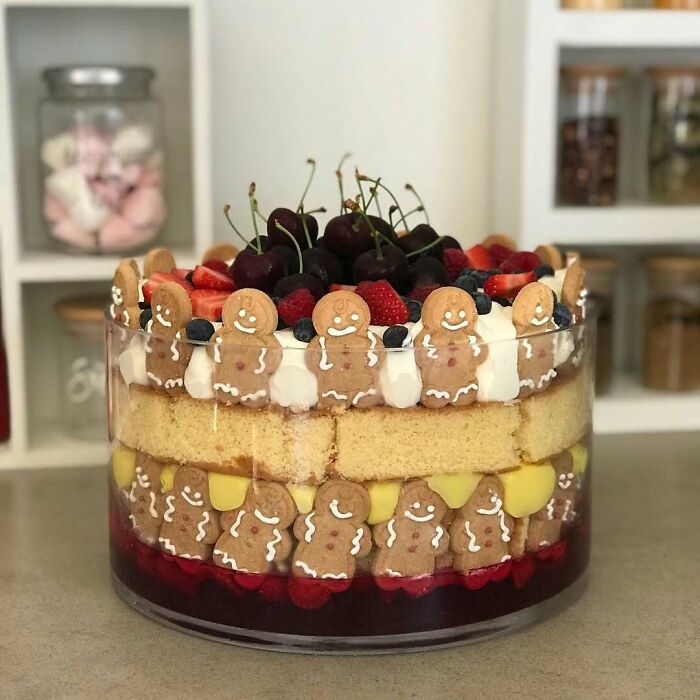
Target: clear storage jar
x,y
589,116
674,137
246,508
102,159
672,347
82,367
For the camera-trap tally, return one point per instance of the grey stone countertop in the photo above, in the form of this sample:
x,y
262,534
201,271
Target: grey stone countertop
x,y
635,633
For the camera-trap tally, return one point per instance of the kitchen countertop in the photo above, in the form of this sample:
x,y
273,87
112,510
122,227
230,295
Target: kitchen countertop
x,y
635,633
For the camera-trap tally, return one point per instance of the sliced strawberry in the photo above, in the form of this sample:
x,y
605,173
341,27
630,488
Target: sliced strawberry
x,y
299,304
207,303
158,278
507,285
499,253
181,272
454,261
520,262
205,278
385,305
341,288
422,293
218,265
479,258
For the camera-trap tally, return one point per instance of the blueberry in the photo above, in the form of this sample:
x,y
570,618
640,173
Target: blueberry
x,y
483,303
200,329
394,336
414,310
562,315
304,330
145,317
544,271
144,305
481,276
189,275
501,300
467,283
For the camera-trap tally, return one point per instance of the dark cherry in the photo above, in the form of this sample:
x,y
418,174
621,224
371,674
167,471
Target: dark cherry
x,y
383,227
449,242
293,223
288,256
347,236
323,264
259,271
311,225
427,271
299,280
424,233
393,266
412,242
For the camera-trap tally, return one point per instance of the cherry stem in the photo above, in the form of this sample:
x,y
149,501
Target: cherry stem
x,y
296,245
312,163
422,208
251,200
339,177
362,192
379,183
413,211
302,216
319,210
430,245
375,235
373,194
248,244
376,201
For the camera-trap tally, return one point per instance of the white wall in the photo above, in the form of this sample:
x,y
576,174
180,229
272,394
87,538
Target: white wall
x,y
405,85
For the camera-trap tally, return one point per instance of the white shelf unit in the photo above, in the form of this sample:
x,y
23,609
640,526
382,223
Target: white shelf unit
x,y
171,36
535,38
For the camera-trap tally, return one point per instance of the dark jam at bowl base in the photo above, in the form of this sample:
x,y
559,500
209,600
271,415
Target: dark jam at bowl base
x,y
363,606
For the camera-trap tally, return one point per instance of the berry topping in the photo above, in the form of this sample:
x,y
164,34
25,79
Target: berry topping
x,y
341,288
454,261
207,303
520,262
145,317
158,278
257,270
467,283
299,280
499,254
544,271
483,302
297,305
304,330
206,278
395,336
479,258
182,272
386,306
218,265
347,236
422,293
200,329
389,263
482,275
414,309
562,315
427,271
507,285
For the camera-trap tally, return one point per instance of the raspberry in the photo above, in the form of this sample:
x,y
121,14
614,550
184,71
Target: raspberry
x,y
454,261
299,304
422,293
386,306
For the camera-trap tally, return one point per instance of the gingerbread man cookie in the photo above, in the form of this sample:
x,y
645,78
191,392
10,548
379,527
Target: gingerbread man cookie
x,y
532,316
125,294
158,260
190,523
220,251
546,524
550,255
345,356
255,536
415,537
333,536
244,349
573,293
481,531
146,502
167,350
448,349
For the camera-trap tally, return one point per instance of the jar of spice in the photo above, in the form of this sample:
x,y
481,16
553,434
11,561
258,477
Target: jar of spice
x,y
674,137
82,367
600,279
589,135
672,347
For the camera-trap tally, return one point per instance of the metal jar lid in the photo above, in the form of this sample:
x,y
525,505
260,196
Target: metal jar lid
x,y
99,81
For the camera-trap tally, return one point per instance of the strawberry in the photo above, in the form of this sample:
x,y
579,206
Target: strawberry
x,y
499,253
158,278
361,286
307,593
218,265
520,262
479,258
522,571
454,261
299,304
205,278
385,305
341,288
181,272
507,285
207,303
422,293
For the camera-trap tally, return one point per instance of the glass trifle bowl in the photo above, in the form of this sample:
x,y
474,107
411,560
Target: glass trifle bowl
x,y
344,486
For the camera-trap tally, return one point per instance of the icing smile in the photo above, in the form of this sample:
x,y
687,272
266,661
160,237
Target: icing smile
x,y
337,332
333,505
539,322
418,518
454,326
117,297
162,321
242,328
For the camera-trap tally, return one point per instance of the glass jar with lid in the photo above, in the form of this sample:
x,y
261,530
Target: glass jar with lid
x,y
101,154
674,136
672,347
589,135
